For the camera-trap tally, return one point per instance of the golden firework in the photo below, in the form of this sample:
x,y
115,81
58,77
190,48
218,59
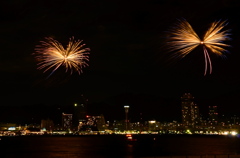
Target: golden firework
x,y
51,55
183,39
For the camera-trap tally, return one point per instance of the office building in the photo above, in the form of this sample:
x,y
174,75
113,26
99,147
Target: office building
x,y
213,115
67,121
80,111
190,111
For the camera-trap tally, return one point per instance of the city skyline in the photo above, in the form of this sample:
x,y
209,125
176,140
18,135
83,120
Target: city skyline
x,y
188,113
127,62
75,120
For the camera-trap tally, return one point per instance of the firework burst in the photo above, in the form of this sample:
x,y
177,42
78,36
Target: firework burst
x,y
51,55
183,39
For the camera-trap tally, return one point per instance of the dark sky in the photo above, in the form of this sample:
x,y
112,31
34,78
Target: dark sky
x,y
128,64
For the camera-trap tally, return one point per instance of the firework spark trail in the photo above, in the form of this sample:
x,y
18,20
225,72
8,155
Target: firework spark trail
x,y
51,55
207,60
183,40
205,57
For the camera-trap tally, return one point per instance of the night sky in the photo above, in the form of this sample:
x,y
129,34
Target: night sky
x,y
128,63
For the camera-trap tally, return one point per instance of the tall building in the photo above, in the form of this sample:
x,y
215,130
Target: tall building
x,y
190,111
213,115
126,108
93,123
66,121
80,111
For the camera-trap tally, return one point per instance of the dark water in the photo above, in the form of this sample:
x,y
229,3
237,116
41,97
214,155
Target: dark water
x,y
116,146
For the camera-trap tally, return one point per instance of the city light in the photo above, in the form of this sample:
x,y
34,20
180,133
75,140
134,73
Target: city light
x,y
96,125
234,133
152,121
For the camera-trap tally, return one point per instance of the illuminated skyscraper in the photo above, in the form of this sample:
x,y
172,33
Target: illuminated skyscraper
x,y
190,111
66,121
80,111
93,123
213,115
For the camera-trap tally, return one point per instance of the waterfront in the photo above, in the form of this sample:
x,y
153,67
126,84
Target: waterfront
x,y
109,146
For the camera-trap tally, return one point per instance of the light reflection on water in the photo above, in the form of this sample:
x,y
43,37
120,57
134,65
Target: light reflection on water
x,y
115,146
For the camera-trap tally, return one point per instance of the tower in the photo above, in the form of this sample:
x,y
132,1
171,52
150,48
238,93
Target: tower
x,y
126,107
190,111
